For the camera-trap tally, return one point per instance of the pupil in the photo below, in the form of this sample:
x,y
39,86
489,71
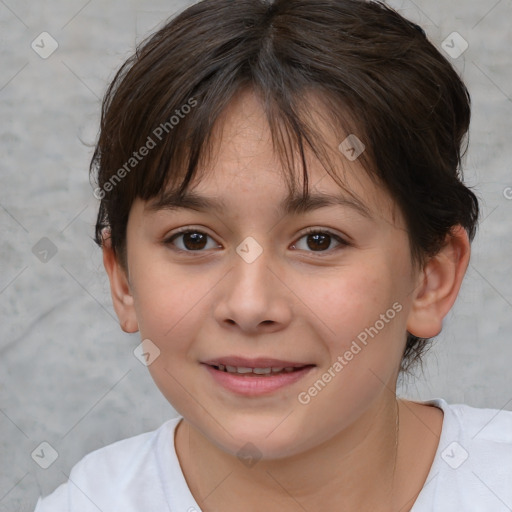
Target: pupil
x,y
193,240
319,238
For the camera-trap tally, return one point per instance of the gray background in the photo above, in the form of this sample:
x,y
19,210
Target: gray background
x,y
68,375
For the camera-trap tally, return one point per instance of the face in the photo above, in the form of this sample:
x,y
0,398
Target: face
x,y
319,298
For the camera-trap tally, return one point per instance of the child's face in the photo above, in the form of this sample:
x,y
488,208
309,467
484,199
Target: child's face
x,y
303,300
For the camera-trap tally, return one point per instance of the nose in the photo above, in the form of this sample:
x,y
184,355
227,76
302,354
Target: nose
x,y
254,297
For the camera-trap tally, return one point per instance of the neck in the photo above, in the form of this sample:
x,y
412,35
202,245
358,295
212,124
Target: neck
x,y
361,476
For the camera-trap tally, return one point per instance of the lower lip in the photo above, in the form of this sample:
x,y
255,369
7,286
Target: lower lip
x,y
255,386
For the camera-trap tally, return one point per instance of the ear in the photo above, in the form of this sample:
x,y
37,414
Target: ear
x,y
439,284
122,297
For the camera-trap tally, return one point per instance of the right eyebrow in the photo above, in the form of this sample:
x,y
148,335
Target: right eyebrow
x,y
190,200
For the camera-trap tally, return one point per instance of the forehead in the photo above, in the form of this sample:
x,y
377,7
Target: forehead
x,y
243,159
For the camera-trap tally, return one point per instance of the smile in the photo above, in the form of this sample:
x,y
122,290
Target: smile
x,y
242,370
255,377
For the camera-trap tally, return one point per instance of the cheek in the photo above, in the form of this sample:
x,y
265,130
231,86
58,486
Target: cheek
x,y
363,320
169,301
364,349
350,301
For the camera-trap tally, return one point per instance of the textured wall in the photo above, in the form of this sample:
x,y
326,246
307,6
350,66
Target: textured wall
x,y
68,375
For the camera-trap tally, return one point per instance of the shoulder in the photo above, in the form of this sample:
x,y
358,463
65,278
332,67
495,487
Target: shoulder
x,y
478,424
484,438
115,458
111,475
472,469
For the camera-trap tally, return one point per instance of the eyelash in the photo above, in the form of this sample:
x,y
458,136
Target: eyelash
x,y
310,231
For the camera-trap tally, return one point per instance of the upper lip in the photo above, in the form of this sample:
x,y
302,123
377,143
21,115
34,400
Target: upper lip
x,y
259,362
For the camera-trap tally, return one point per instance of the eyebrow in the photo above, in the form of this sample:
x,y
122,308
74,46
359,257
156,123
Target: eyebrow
x,y
292,205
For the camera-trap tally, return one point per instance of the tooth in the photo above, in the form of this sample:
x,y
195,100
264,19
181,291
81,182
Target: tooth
x,y
262,371
221,367
242,369
289,369
231,369
277,370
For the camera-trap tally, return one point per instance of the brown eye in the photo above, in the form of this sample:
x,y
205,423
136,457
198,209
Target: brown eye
x,y
190,241
319,241
194,241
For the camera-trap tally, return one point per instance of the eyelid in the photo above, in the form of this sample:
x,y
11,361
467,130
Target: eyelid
x,y
323,231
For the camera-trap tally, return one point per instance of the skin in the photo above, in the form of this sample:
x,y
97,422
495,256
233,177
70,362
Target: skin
x,y
295,302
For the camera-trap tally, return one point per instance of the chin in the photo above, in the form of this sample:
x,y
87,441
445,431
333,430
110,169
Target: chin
x,y
265,438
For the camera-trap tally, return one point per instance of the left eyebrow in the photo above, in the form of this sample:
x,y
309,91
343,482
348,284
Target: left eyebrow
x,y
292,205
299,204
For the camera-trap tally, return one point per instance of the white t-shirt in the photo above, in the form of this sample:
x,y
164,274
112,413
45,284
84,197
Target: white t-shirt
x,y
472,470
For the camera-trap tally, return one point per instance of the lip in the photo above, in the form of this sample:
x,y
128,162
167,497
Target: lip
x,y
252,385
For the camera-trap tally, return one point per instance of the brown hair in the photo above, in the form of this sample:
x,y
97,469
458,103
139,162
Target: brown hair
x,y
361,58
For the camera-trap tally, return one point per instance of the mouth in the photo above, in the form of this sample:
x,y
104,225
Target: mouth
x,y
248,371
253,377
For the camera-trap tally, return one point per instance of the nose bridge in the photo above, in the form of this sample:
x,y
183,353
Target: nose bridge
x,y
251,266
250,282
253,297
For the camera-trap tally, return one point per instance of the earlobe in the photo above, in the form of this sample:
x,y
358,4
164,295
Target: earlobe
x,y
120,289
439,284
